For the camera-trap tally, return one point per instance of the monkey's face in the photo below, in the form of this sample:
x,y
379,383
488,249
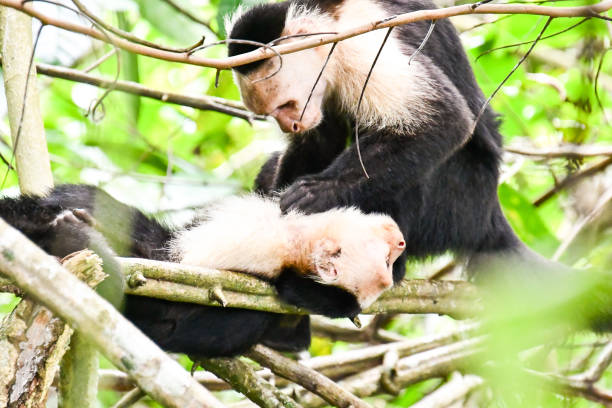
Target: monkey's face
x,y
285,94
359,257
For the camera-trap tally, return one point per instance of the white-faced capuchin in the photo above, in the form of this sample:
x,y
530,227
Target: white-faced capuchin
x,y
424,155
346,255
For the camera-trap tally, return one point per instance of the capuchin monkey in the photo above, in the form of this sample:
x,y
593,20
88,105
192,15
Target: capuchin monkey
x,y
425,167
344,255
432,164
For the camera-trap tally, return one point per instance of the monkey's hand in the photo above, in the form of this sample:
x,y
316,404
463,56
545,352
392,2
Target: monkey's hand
x,y
312,194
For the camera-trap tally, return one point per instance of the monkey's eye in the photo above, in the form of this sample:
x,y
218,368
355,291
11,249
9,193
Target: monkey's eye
x,y
337,253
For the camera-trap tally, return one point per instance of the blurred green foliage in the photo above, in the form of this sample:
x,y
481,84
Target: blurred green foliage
x,y
167,159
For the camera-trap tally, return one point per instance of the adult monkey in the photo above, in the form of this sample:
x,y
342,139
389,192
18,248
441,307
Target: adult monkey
x,y
425,167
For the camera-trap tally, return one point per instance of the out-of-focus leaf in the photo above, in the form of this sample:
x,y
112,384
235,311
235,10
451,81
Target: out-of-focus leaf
x,y
170,22
526,222
227,7
129,71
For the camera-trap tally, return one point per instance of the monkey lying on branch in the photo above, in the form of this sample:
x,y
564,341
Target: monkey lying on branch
x,y
344,256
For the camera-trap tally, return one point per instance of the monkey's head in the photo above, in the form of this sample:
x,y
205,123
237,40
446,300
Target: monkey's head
x,y
284,95
351,251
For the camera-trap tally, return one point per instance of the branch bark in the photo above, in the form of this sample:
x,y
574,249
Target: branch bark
x,y
27,130
184,283
311,42
437,362
79,379
33,342
454,390
124,345
306,377
569,151
243,379
199,102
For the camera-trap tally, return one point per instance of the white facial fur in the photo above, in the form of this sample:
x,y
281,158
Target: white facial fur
x,y
284,95
342,247
352,250
397,95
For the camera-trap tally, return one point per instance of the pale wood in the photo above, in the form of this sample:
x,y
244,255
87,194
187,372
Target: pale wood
x,y
42,277
31,154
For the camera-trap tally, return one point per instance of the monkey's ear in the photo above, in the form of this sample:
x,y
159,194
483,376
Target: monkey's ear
x,y
325,253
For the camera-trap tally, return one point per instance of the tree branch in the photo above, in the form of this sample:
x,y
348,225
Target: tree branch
x,y
212,103
33,341
569,151
311,42
122,343
188,14
457,387
572,179
243,379
306,377
25,119
437,362
183,283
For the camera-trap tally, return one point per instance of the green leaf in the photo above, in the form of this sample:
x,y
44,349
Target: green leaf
x,y
526,221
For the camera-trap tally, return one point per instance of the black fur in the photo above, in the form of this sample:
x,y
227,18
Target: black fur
x,y
266,25
197,330
439,184
332,301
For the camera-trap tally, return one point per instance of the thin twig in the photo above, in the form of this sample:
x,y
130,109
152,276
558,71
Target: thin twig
x,y
482,54
602,203
317,80
569,151
188,14
99,61
595,84
603,362
518,64
129,36
256,55
129,398
365,84
572,179
432,25
199,102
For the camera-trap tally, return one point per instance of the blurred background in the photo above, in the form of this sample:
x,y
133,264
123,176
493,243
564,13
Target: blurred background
x,y
167,159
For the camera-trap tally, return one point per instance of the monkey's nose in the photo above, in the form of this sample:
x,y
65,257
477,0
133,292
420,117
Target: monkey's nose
x,y
287,116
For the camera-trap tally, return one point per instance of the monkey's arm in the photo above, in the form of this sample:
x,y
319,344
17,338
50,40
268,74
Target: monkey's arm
x,y
393,163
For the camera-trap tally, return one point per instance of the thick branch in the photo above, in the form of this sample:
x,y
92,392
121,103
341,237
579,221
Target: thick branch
x,y
27,129
186,283
311,42
243,379
33,341
306,377
124,345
